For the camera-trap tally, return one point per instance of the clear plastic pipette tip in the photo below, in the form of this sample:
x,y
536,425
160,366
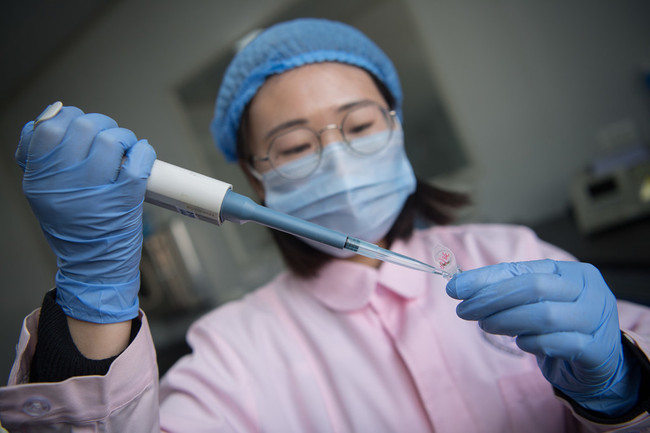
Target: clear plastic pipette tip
x,y
373,251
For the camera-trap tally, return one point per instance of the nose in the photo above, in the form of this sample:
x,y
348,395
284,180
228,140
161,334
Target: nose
x,y
326,135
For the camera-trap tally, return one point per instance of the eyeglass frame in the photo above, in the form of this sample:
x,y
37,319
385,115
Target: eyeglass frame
x,y
391,117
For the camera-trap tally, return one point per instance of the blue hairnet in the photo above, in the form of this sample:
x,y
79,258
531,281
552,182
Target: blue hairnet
x,y
286,46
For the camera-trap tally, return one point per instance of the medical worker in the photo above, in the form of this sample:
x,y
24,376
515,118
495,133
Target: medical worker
x,y
311,110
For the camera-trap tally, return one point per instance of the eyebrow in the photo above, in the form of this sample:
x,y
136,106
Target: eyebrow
x,y
303,121
285,125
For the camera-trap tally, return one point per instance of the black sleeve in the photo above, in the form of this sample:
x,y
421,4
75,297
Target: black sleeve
x,y
643,404
56,358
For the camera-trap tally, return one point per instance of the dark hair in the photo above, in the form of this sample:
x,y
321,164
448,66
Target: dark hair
x,y
429,203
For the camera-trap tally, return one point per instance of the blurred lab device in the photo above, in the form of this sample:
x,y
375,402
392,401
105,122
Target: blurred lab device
x,y
614,190
173,279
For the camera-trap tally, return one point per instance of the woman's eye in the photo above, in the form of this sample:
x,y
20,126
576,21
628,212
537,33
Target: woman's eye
x,y
295,150
360,128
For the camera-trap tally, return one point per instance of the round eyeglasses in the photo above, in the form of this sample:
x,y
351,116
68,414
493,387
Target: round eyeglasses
x,y
296,153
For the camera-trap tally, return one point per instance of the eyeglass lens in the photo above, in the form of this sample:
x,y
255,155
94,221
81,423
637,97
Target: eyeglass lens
x,y
296,153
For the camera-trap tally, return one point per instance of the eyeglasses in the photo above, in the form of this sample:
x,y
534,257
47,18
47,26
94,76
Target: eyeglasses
x,y
296,153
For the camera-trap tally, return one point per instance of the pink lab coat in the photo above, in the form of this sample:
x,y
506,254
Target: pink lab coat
x,y
357,350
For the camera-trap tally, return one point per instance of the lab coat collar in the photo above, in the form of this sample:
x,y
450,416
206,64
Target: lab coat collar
x,y
347,286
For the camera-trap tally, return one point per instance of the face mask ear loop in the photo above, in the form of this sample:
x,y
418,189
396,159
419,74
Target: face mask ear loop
x,y
396,120
256,174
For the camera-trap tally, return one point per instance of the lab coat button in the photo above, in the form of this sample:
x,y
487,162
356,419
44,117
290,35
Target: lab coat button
x,y
36,406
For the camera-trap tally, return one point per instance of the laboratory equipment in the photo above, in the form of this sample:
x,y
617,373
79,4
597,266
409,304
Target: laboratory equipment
x,y
446,261
211,200
606,200
371,250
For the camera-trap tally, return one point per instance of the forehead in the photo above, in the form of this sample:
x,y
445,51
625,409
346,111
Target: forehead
x,y
311,91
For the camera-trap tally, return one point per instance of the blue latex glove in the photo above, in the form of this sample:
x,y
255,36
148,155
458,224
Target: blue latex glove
x,y
564,314
85,180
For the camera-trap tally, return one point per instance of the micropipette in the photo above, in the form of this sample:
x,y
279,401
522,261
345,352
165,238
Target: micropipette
x,y
207,199
373,251
204,198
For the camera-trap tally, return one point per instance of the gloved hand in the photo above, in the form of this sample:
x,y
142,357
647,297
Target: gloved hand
x,y
85,180
564,314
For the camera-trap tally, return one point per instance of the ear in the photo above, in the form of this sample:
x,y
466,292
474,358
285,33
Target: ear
x,y
255,183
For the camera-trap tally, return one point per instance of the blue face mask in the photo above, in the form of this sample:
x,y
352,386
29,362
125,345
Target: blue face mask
x,y
359,195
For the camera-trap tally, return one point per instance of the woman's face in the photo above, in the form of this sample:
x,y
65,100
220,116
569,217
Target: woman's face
x,y
314,95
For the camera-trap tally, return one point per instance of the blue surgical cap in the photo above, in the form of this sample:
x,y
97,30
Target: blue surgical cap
x,y
286,46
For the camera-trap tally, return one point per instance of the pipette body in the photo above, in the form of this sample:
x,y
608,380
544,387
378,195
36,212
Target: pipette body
x,y
207,199
202,197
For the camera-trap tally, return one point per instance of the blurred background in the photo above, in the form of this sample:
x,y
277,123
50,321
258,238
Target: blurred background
x,y
540,110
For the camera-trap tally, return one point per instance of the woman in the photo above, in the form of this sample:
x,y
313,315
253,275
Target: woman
x,y
310,109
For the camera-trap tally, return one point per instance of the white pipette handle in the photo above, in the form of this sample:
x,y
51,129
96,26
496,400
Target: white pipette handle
x,y
207,199
186,192
174,188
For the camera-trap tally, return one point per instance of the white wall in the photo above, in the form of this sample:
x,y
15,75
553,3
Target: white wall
x,y
529,84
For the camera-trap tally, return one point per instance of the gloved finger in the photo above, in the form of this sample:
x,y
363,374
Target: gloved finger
x,y
23,144
80,136
138,162
465,284
107,153
34,143
515,291
570,346
539,318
